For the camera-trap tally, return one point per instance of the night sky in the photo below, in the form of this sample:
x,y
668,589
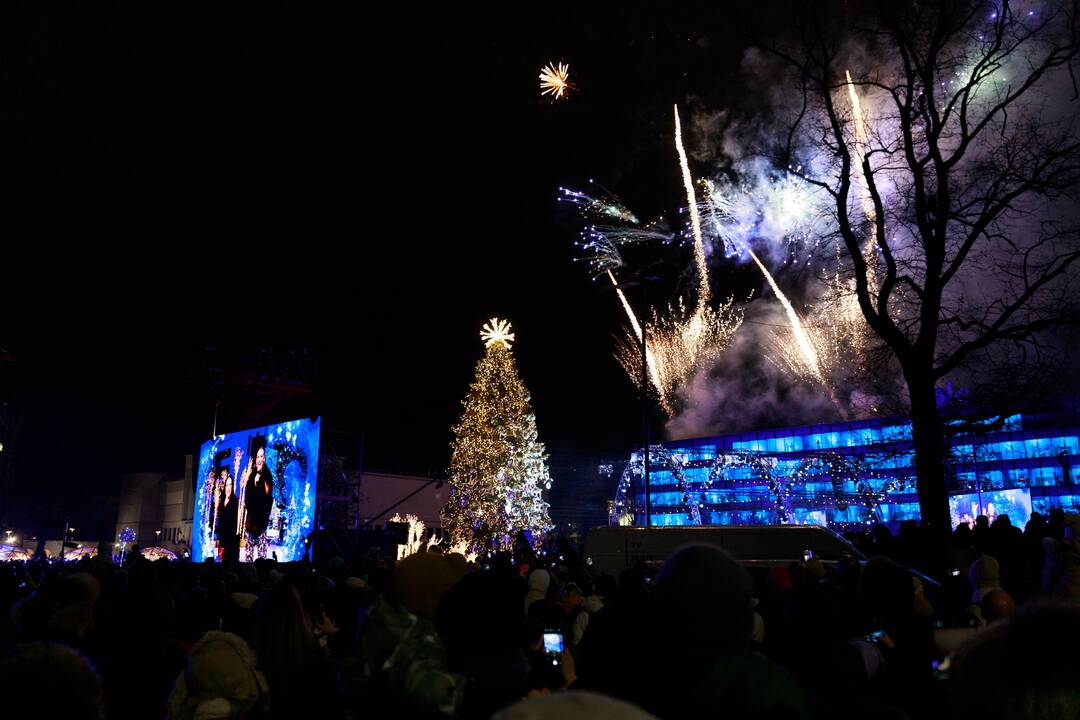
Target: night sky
x,y
362,187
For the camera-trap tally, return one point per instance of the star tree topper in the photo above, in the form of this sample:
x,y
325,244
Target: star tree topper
x,y
497,331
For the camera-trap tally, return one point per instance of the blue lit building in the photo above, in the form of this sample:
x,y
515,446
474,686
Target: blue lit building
x,y
854,472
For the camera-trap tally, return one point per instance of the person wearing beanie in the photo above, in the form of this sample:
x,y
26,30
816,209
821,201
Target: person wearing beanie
x,y
401,645
458,562
815,570
998,605
220,681
420,580
985,577
31,671
572,705
539,581
702,656
1061,569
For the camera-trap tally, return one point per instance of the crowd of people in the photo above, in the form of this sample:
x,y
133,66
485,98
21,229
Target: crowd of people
x,y
985,627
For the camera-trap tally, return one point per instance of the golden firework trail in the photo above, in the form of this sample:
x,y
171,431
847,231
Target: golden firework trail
x,y
680,343
650,358
802,340
695,219
861,139
849,311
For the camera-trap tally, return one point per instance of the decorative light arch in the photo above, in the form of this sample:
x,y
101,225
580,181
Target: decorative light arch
x,y
658,456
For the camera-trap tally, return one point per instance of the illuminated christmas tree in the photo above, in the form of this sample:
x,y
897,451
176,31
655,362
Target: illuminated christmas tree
x,y
498,467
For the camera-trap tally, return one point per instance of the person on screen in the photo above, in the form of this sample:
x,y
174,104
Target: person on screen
x,y
228,538
258,499
213,499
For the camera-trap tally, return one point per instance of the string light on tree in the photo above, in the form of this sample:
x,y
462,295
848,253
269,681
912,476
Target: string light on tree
x,y
498,466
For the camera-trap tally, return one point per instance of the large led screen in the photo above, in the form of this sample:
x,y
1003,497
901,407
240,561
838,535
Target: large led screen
x,y
256,493
1014,503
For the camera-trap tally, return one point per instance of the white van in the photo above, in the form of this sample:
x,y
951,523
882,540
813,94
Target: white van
x,y
613,549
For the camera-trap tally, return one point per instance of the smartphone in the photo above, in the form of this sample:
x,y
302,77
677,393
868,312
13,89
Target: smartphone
x,y
875,636
553,645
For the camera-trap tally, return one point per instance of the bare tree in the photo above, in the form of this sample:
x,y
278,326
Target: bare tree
x,y
955,201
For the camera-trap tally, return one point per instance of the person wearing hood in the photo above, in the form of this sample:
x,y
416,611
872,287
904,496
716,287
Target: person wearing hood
x,y
1061,570
539,582
985,577
591,603
404,650
220,681
702,655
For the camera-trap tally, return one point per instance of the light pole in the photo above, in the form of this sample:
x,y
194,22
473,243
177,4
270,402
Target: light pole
x,y
643,280
645,407
63,541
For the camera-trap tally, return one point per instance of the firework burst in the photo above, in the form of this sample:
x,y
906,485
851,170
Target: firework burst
x,y
555,80
601,203
601,245
681,343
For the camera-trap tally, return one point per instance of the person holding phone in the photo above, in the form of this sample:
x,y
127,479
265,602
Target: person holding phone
x,y
554,647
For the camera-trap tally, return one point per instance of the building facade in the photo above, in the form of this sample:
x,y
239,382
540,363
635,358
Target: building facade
x,y
159,507
856,472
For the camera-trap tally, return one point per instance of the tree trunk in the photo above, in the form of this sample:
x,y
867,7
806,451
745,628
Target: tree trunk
x,y
929,444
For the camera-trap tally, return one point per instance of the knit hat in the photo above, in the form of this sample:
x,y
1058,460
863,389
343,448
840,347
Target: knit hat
x,y
219,680
701,586
815,569
539,580
458,563
985,573
245,600
572,705
420,580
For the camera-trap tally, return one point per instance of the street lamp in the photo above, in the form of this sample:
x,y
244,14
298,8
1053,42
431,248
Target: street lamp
x,y
642,280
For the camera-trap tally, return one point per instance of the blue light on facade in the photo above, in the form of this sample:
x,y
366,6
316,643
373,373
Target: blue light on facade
x,y
847,473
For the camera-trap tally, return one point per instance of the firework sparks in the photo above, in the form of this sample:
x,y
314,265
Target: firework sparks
x,y
839,313
695,219
601,245
829,339
861,142
802,340
861,137
602,204
650,356
781,206
555,80
680,344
